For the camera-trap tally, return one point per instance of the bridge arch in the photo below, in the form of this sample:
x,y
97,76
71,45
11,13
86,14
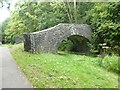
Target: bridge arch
x,y
48,40
74,43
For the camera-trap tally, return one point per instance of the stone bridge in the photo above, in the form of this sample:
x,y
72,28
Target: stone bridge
x,y
48,40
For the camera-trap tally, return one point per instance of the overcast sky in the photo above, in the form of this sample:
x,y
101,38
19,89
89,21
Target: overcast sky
x,y
4,13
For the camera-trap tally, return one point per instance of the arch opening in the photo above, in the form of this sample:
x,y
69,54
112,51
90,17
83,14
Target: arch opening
x,y
74,44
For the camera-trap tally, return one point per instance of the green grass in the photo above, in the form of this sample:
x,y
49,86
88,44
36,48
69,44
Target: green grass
x,y
111,63
45,70
7,45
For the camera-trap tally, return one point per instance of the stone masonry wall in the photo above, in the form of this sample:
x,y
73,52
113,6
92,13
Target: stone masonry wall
x,y
19,39
48,40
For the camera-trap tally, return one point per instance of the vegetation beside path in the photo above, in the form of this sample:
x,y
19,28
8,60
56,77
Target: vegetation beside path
x,y
45,70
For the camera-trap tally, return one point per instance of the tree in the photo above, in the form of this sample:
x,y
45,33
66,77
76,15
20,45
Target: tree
x,y
3,28
105,21
33,16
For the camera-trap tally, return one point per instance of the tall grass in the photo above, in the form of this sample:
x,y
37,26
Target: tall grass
x,y
111,63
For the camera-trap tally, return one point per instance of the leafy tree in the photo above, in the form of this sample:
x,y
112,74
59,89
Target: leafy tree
x,y
105,21
4,26
30,17
34,16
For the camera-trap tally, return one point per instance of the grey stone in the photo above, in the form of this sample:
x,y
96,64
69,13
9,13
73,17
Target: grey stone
x,y
48,40
19,39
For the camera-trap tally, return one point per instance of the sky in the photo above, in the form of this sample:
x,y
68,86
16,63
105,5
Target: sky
x,y
4,13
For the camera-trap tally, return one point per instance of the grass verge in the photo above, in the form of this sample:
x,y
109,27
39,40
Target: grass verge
x,y
45,70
